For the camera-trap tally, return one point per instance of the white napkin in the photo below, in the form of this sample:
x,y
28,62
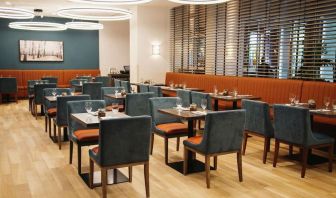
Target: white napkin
x,y
199,112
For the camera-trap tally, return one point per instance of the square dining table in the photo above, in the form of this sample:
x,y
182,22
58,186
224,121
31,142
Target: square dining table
x,y
233,99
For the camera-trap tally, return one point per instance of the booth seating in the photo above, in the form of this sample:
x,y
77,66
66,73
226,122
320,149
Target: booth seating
x,y
8,86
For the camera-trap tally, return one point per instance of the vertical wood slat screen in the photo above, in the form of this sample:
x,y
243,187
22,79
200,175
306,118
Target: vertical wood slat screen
x,y
263,38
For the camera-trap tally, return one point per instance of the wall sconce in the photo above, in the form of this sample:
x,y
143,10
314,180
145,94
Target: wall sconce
x,y
156,49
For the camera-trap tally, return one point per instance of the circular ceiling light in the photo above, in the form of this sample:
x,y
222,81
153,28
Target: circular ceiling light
x,y
199,2
95,14
79,25
15,13
37,26
113,2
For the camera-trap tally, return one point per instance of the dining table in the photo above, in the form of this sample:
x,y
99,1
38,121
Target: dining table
x,y
168,91
194,165
118,97
91,120
230,98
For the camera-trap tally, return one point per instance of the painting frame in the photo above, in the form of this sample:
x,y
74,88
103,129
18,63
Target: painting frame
x,y
41,51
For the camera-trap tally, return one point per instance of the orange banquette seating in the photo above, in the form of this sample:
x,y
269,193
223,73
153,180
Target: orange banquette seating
x,y
64,77
269,89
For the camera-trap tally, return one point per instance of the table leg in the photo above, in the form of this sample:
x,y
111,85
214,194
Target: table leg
x,y
216,105
65,134
234,105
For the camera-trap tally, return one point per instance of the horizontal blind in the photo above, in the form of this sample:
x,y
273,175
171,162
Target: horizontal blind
x,y
263,38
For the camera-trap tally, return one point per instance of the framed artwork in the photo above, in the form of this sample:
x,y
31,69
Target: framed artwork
x,y
41,51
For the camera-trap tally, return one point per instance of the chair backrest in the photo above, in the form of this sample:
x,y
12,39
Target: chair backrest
x,y
223,131
157,103
156,90
48,92
292,124
126,85
31,83
110,90
258,117
79,107
61,105
93,89
88,78
185,96
38,91
50,79
104,79
117,83
8,85
124,140
196,97
138,103
143,88
75,82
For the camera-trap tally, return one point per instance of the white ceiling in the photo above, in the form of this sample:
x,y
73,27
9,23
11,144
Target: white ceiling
x,y
51,6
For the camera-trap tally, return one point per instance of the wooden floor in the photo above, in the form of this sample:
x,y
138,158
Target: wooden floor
x,y
32,166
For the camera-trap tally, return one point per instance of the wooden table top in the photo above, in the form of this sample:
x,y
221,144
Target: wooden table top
x,y
165,88
119,96
185,114
92,120
234,98
51,98
319,111
155,84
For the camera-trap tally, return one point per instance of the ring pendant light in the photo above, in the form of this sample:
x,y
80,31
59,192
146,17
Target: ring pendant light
x,y
98,14
15,13
112,2
37,26
199,2
80,25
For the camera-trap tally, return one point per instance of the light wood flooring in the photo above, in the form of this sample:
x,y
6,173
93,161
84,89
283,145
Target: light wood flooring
x,y
32,166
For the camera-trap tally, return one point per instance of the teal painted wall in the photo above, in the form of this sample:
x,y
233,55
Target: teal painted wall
x,y
81,48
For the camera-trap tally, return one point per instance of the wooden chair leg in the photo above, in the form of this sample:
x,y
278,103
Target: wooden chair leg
x,y
304,162
269,145
215,162
35,110
54,131
59,129
130,173
49,120
239,165
266,142
45,123
185,161
70,152
91,173
290,150
79,159
178,144
331,156
152,144
104,182
245,142
146,173
276,152
166,149
207,170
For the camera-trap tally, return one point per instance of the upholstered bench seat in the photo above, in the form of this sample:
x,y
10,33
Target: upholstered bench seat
x,y
86,134
173,128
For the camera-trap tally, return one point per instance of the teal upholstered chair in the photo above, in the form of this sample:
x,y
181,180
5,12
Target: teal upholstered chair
x,y
143,88
8,85
105,80
123,142
61,119
108,100
126,85
38,95
185,96
87,78
30,90
196,97
75,83
164,125
50,107
137,104
93,89
258,122
78,134
156,90
223,134
50,79
117,83
292,125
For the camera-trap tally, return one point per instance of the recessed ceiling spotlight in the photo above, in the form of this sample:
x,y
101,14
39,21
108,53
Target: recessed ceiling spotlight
x,y
112,2
15,13
8,3
199,2
37,26
79,25
95,14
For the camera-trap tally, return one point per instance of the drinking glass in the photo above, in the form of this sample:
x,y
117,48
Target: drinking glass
x,y
88,107
204,103
215,90
116,93
235,93
80,82
326,102
292,99
184,85
115,107
53,92
334,104
179,103
171,84
72,91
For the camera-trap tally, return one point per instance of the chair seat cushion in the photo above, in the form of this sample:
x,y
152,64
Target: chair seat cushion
x,y
322,139
52,112
121,108
86,134
172,128
95,150
194,140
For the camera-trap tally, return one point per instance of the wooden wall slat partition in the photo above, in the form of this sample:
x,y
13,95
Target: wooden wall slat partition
x,y
64,77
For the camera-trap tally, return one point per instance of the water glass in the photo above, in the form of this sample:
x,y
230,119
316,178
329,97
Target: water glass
x,y
326,102
184,85
179,103
53,92
72,91
235,93
204,103
292,98
88,107
215,90
115,107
